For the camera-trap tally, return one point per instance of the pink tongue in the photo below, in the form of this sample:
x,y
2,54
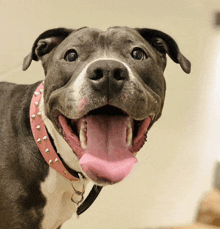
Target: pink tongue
x,y
107,157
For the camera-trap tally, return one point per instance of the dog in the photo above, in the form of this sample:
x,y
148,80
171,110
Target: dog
x,y
103,91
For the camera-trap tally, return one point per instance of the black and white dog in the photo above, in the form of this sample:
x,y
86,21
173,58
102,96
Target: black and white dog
x,y
102,92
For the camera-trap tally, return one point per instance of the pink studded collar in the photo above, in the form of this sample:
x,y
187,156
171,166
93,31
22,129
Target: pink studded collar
x,y
41,136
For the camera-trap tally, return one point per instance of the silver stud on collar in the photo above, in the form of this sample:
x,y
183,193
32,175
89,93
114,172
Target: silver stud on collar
x,y
39,114
47,150
36,104
33,116
65,172
39,140
50,161
45,138
36,93
56,160
38,127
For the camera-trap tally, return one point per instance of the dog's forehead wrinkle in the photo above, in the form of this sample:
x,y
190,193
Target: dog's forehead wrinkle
x,y
88,33
122,34
119,35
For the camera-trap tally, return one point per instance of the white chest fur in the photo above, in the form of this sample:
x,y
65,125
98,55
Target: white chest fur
x,y
58,192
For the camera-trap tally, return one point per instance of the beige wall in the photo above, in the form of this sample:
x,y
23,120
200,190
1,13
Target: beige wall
x,y
175,167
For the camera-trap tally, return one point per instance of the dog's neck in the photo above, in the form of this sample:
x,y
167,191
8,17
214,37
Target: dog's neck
x,y
39,125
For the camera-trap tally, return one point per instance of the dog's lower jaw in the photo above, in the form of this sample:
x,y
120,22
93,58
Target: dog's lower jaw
x,y
102,144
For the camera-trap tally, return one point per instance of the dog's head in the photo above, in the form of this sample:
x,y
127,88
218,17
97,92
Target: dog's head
x,y
104,90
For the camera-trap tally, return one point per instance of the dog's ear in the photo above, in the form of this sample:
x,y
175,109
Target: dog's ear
x,y
45,43
163,43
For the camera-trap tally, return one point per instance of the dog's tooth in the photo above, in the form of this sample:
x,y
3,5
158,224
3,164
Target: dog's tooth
x,y
82,134
129,133
83,139
83,124
129,137
60,130
83,142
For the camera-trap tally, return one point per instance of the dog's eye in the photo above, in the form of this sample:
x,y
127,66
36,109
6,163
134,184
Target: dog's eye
x,y
71,55
139,54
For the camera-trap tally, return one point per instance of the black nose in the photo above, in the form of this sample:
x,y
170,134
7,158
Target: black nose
x,y
107,76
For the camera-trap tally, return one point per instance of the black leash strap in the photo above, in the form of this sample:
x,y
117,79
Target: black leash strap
x,y
89,200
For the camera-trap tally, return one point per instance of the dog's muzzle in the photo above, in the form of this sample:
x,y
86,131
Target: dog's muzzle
x,y
105,139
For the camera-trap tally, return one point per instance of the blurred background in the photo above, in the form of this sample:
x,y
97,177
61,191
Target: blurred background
x,y
176,165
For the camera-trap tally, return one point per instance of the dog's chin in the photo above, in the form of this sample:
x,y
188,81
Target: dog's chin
x,y
105,141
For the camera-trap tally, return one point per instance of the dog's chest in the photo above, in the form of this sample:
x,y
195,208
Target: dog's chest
x,y
58,192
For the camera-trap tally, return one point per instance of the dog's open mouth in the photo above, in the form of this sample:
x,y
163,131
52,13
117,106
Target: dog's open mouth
x,y
105,142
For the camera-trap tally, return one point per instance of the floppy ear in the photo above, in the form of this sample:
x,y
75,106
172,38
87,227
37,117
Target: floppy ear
x,y
165,44
44,44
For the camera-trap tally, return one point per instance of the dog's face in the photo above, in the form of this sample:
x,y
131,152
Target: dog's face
x,y
103,91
